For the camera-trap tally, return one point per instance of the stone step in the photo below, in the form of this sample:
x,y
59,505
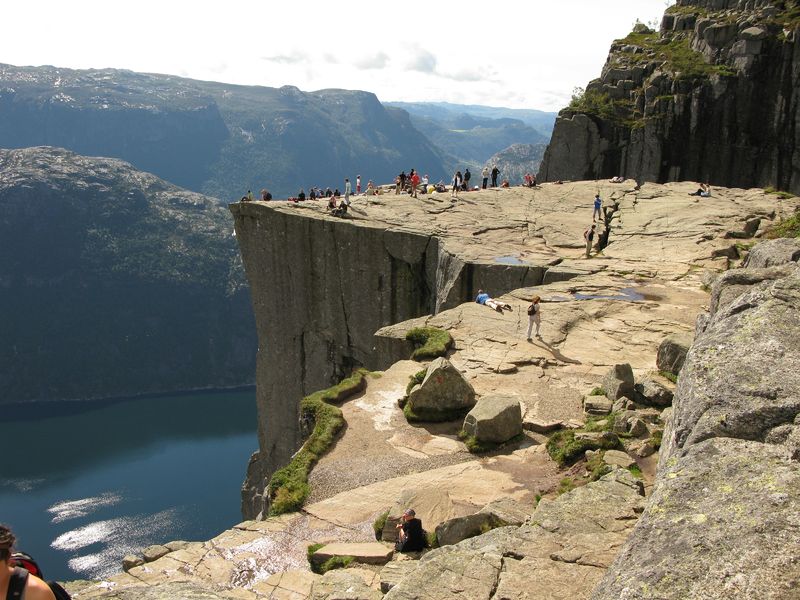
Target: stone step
x,y
369,553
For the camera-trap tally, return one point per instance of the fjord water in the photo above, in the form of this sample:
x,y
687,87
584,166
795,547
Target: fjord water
x,y
85,483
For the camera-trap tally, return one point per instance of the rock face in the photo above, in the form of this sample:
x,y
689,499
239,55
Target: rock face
x,y
724,511
444,391
119,283
494,419
712,97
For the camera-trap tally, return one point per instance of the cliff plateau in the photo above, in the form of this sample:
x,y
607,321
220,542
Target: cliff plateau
x,y
322,286
711,97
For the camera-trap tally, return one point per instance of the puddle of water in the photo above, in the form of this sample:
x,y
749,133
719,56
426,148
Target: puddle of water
x,y
508,260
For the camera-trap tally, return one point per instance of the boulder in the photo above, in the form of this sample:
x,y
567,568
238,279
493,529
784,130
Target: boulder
x,y
130,561
368,553
619,382
155,552
672,352
618,458
642,448
443,395
176,545
454,530
597,405
506,511
654,393
494,419
637,427
773,253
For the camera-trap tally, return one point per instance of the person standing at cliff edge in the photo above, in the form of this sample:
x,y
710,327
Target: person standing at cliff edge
x,y
598,203
534,316
495,173
485,175
347,191
16,582
588,237
358,184
414,183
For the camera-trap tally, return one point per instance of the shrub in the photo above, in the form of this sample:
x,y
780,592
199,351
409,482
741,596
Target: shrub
x,y
379,524
788,228
635,471
429,342
288,488
433,541
598,391
656,438
597,467
565,485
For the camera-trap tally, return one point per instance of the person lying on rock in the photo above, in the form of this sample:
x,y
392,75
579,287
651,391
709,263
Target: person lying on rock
x,y
484,298
410,535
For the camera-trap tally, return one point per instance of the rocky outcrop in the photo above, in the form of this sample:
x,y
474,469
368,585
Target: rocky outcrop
x,y
724,511
115,283
444,394
562,552
711,97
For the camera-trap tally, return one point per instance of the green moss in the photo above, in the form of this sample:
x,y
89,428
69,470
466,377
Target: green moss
x,y
598,391
565,485
600,423
478,447
597,467
415,379
565,449
433,541
335,562
536,499
429,342
288,488
636,471
379,524
668,375
788,228
310,551
433,416
656,438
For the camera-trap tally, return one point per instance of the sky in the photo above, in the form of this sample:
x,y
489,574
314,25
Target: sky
x,y
510,53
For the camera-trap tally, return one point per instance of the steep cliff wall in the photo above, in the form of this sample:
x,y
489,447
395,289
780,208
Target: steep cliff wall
x,y
712,97
722,521
321,287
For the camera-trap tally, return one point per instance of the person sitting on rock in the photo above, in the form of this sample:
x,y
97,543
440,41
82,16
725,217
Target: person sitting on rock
x,y
505,184
410,535
704,191
301,195
484,298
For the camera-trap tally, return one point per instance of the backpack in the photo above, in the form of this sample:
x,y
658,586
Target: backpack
x,y
532,309
25,565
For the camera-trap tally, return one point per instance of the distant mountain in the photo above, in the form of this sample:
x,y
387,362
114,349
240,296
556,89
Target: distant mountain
x,y
214,138
115,282
469,135
517,160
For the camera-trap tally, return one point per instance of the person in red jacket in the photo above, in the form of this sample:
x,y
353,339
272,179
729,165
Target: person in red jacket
x,y
414,183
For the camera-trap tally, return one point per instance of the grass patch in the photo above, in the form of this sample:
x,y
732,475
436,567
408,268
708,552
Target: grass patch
x,y
564,448
598,391
415,379
429,342
433,541
600,423
379,524
636,471
565,485
669,375
656,438
675,52
536,499
788,228
335,562
597,467
288,488
477,447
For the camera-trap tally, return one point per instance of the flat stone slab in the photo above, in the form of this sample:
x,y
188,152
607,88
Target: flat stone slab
x,y
369,553
618,458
